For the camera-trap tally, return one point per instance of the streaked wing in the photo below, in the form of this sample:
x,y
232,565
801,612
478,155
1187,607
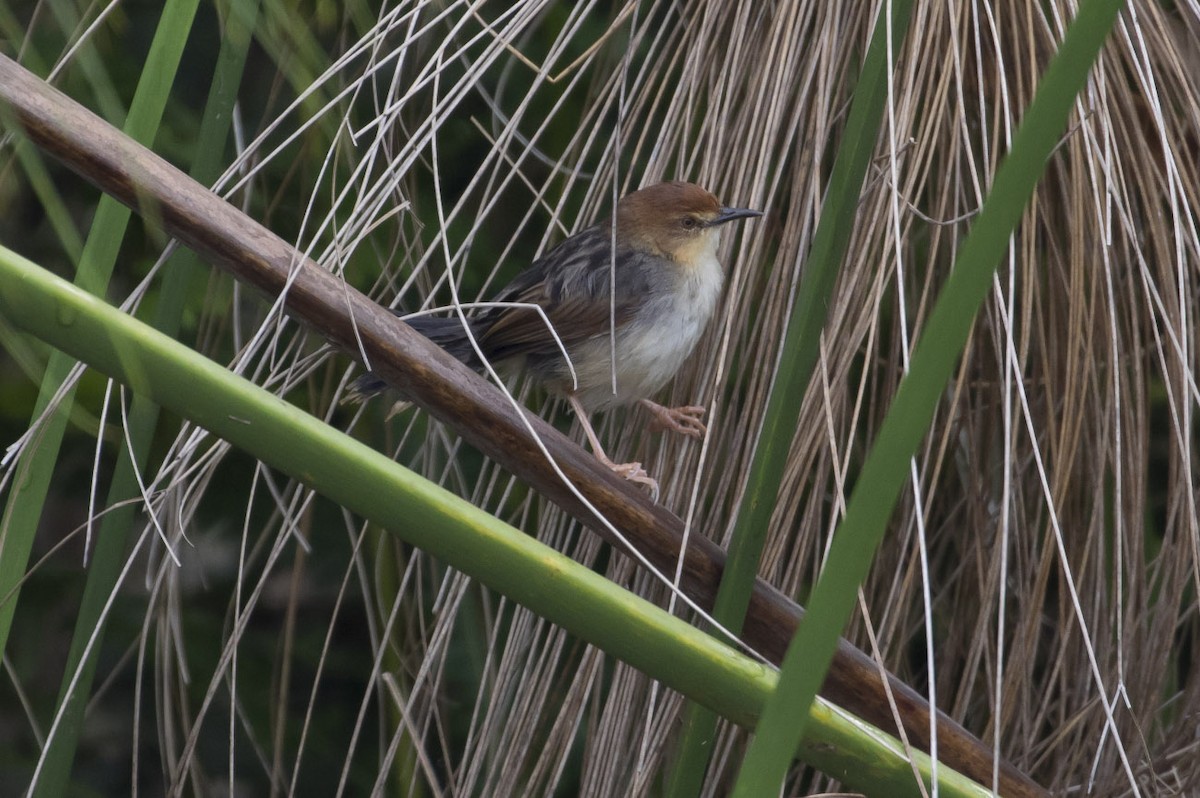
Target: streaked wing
x,y
573,294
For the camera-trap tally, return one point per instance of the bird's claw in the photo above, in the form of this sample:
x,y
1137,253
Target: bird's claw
x,y
630,471
635,473
684,420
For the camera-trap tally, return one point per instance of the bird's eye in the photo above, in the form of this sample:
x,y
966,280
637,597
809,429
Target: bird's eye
x,y
689,222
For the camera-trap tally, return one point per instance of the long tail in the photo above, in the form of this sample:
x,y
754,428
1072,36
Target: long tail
x,y
448,333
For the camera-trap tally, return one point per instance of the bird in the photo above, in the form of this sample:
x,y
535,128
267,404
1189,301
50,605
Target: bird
x,y
667,283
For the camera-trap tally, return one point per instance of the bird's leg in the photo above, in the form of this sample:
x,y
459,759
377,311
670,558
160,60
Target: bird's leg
x,y
631,471
684,420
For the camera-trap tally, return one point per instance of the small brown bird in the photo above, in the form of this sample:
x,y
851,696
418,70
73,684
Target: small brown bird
x,y
667,283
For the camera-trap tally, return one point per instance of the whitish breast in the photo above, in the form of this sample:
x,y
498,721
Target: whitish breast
x,y
653,346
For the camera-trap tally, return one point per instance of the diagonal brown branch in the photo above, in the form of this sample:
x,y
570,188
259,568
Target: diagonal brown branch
x,y
452,393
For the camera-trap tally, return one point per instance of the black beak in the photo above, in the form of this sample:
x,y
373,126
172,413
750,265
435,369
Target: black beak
x,y
730,214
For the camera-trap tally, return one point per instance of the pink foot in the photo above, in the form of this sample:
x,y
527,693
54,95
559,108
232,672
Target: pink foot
x,y
634,473
630,471
684,420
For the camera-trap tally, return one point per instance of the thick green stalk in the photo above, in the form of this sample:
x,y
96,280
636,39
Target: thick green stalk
x,y
182,276
444,525
32,478
801,344
886,469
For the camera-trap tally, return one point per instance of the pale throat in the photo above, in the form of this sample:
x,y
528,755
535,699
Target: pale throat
x,y
702,278
699,252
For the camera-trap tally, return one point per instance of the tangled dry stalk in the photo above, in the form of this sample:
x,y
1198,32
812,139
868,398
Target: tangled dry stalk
x,y
1056,495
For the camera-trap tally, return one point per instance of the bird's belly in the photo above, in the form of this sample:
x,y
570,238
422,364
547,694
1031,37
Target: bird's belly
x,y
646,359
650,348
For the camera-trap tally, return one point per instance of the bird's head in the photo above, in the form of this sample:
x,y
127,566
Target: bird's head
x,y
676,220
